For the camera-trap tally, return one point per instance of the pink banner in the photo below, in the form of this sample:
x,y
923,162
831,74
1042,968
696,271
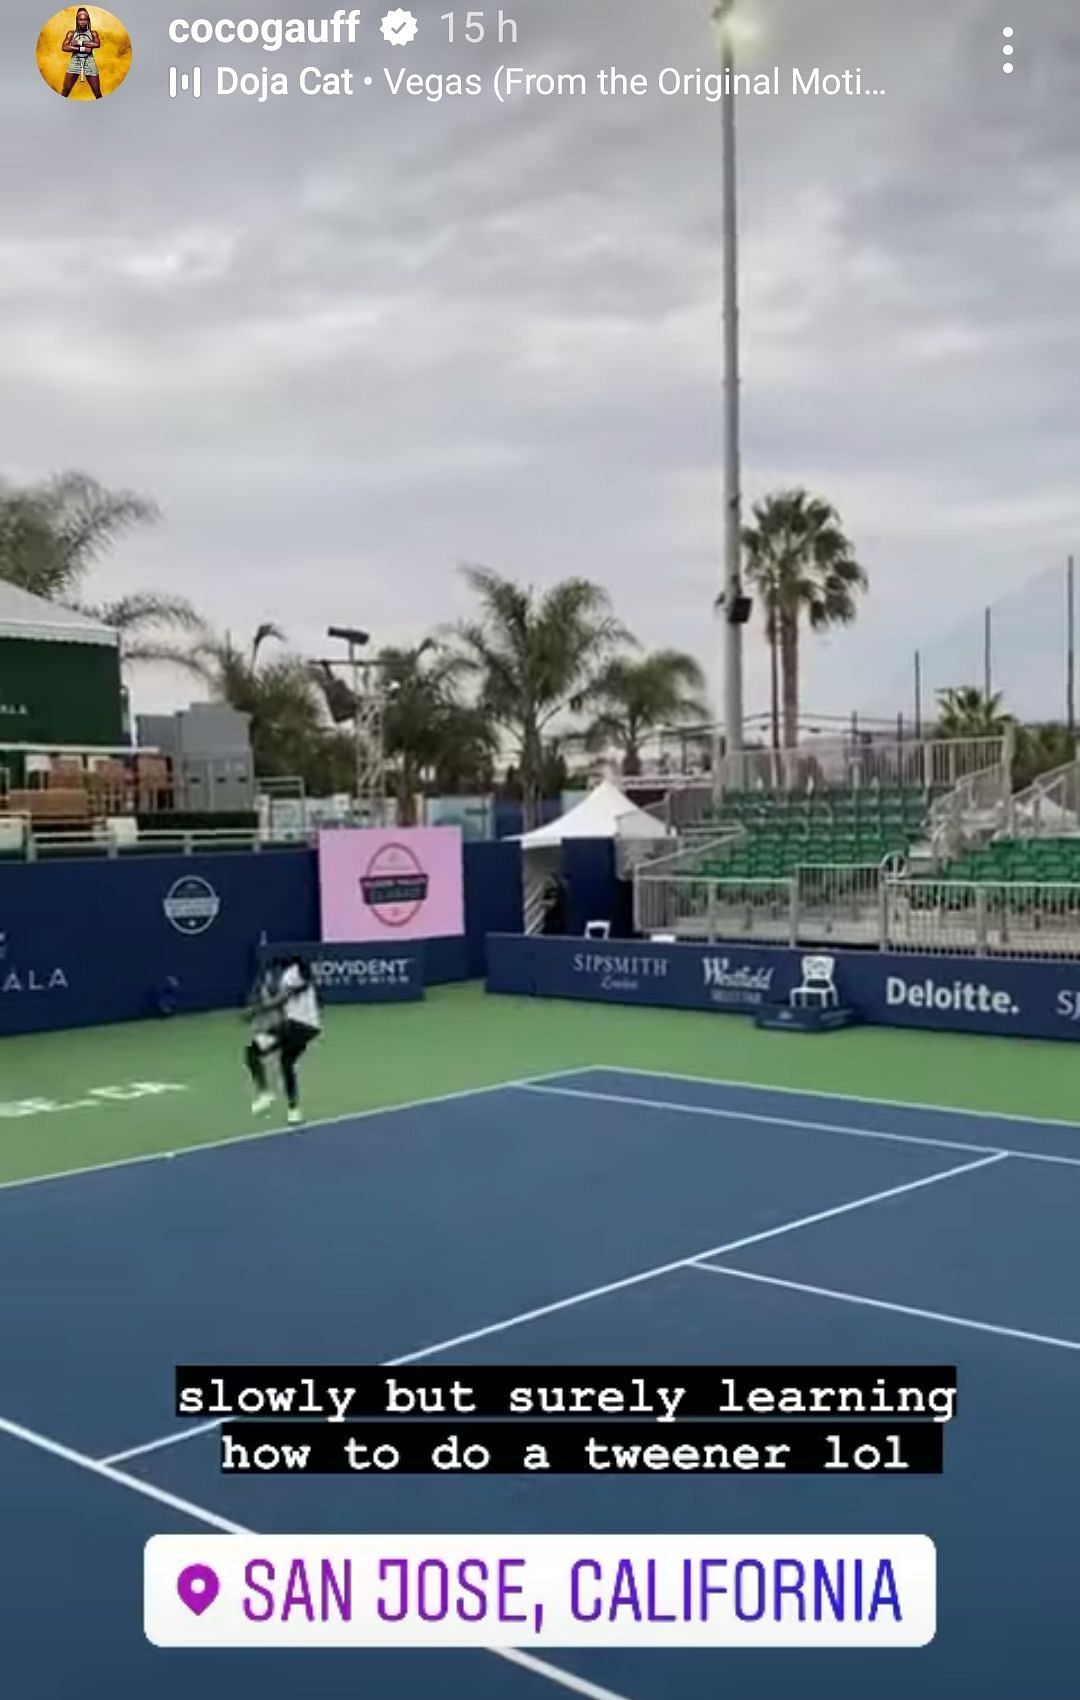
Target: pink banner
x,y
385,884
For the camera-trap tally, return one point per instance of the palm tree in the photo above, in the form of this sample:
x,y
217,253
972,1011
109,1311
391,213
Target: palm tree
x,y
535,655
431,737
417,683
800,563
635,697
50,536
51,533
142,619
967,712
1039,749
289,735
428,730
469,744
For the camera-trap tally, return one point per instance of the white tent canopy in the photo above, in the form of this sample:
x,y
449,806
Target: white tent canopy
x,y
604,813
23,615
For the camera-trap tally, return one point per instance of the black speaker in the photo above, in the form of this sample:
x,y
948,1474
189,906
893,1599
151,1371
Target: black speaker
x,y
741,609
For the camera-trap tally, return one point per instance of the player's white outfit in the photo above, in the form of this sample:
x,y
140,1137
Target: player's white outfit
x,y
83,63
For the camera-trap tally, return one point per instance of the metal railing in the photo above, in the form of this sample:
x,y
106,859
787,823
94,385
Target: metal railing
x,y
282,808
1000,918
852,763
534,897
634,853
14,832
864,905
685,858
689,804
932,765
835,903
693,906
94,841
980,805
840,902
1050,806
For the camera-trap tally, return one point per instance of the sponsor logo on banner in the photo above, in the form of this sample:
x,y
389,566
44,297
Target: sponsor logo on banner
x,y
1068,1005
331,972
191,905
619,972
966,997
28,977
394,886
732,986
97,1097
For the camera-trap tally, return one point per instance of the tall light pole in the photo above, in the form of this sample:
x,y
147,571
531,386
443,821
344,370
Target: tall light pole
x,y
1070,646
732,603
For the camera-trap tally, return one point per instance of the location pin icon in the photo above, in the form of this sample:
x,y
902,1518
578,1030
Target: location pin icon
x,y
198,1587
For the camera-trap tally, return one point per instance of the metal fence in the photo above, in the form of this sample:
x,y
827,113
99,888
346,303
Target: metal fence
x,y
923,764
691,906
684,857
282,808
932,765
1005,918
865,906
815,904
969,814
35,846
1050,806
839,903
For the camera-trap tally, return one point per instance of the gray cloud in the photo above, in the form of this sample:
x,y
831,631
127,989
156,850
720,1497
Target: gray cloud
x,y
348,344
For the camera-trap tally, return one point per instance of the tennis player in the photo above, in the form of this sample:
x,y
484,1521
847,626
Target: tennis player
x,y
287,1018
81,43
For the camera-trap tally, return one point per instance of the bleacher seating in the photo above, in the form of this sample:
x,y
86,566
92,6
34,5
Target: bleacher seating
x,y
51,806
1040,861
788,830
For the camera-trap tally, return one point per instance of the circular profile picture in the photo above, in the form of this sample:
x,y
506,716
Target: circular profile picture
x,y
84,53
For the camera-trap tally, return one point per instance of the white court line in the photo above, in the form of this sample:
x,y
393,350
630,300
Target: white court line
x,y
274,1132
545,1091
591,1293
885,1304
834,1097
199,1514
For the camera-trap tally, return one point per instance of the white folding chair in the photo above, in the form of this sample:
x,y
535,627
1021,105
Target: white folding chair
x,y
818,984
598,929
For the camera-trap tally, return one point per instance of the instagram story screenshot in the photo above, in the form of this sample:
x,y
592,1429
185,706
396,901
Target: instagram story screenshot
x,y
539,850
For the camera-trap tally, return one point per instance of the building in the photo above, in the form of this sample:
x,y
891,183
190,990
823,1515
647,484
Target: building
x,y
60,685
208,746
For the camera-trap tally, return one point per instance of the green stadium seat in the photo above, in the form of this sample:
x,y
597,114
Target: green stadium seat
x,y
1019,861
827,826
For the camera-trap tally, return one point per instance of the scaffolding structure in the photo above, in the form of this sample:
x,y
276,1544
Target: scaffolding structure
x,y
369,725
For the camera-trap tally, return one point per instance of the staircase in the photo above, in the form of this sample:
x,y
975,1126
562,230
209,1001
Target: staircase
x,y
1050,805
536,872
965,817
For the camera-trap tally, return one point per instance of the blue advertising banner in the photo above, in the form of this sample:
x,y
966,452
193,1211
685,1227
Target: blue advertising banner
x,y
360,973
118,939
111,940
1036,1000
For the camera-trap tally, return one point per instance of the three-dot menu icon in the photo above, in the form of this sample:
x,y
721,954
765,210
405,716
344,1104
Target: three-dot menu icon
x,y
1007,32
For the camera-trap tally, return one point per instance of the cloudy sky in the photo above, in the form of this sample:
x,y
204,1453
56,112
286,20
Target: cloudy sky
x,y
349,344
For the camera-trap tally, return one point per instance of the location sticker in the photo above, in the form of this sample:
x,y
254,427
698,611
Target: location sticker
x,y
198,1587
558,1591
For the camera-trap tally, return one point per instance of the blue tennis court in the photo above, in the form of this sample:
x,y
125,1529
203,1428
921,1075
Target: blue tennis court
x,y
592,1217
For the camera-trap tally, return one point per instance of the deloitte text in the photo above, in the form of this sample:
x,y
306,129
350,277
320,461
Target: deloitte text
x,y
970,997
